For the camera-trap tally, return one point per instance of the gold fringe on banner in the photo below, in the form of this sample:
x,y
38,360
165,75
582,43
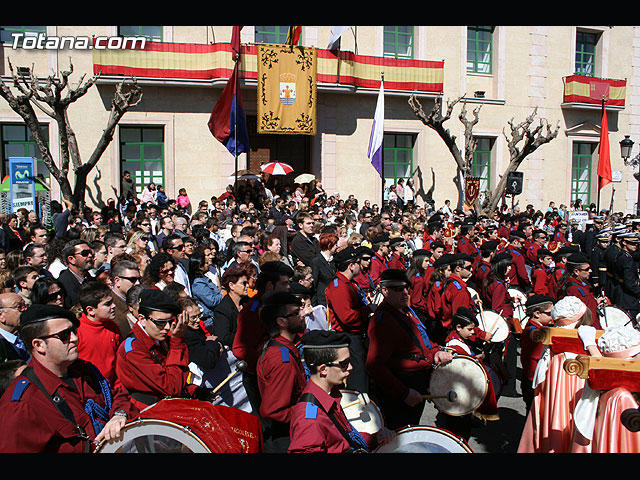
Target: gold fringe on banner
x,y
287,89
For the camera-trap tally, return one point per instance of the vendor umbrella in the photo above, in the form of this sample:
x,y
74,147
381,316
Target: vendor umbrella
x,y
276,168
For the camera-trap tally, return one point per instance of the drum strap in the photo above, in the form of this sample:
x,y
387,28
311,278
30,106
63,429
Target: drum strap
x,y
411,333
60,404
354,438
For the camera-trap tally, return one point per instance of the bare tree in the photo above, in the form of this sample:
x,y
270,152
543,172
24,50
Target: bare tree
x,y
533,138
53,96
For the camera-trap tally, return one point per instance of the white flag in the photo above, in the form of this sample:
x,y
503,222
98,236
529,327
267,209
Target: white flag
x,y
336,33
377,133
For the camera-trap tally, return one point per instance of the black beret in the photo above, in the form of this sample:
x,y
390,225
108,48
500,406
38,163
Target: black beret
x,y
278,297
436,244
41,313
577,259
462,257
381,238
395,241
276,267
567,250
467,313
325,339
501,256
543,252
362,251
436,217
158,301
393,275
421,253
517,234
299,290
539,299
348,254
445,259
489,246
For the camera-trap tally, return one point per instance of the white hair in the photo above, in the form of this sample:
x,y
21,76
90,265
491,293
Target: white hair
x,y
615,339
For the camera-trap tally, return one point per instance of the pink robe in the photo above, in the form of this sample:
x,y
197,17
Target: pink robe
x,y
549,426
609,435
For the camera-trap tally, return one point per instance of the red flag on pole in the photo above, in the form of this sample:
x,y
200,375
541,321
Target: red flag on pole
x,y
604,162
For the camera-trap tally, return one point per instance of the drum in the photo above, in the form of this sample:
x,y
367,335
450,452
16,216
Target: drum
x,y
361,411
424,439
463,375
492,322
496,380
519,300
188,426
611,316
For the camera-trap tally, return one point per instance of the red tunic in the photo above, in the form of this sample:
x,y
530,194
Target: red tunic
x,y
466,246
530,351
32,424
378,265
250,334
389,345
434,300
576,288
312,431
455,295
146,367
417,293
540,280
347,309
397,262
281,379
518,276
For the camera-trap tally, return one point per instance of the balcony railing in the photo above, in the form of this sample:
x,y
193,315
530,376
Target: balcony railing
x,y
588,91
203,63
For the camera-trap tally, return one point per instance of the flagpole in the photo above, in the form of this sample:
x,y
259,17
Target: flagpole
x,y
382,160
235,126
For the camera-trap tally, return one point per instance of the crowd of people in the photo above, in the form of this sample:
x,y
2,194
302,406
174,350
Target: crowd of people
x,y
113,309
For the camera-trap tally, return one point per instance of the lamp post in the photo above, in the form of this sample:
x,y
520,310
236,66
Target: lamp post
x,y
626,145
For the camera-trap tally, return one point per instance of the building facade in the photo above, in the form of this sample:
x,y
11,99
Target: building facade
x,y
563,71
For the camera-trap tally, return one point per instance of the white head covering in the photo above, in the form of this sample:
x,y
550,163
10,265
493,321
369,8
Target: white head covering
x,y
619,342
568,311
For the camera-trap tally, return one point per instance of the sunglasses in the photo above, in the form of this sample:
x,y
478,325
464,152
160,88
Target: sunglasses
x,y
343,365
144,239
64,336
85,253
53,295
168,270
179,248
161,323
468,267
131,279
397,288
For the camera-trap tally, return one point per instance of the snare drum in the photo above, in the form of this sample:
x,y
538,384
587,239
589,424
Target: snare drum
x,y
495,323
188,426
361,411
463,375
611,316
424,439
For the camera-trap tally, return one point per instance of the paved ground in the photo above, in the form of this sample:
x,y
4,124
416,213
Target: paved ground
x,y
501,436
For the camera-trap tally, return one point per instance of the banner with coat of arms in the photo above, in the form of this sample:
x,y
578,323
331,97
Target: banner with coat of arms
x,y
471,190
287,89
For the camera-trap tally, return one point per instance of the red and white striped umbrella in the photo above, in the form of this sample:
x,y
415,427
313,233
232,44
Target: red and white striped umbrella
x,y
276,168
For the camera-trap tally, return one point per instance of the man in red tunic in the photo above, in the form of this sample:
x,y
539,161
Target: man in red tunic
x,y
401,355
397,260
541,272
576,285
455,293
319,424
281,376
31,421
379,262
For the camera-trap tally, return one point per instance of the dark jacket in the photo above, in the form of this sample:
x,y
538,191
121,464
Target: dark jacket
x,y
304,248
323,272
225,323
202,352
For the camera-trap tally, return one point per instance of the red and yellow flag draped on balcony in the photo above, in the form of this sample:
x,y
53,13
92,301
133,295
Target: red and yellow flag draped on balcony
x,y
201,62
591,90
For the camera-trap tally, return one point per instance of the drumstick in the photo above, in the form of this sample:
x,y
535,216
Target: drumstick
x,y
451,396
242,365
495,322
351,404
484,322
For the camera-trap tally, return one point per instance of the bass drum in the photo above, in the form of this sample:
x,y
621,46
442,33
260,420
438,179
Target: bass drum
x,y
188,426
611,316
463,375
424,439
361,411
492,322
